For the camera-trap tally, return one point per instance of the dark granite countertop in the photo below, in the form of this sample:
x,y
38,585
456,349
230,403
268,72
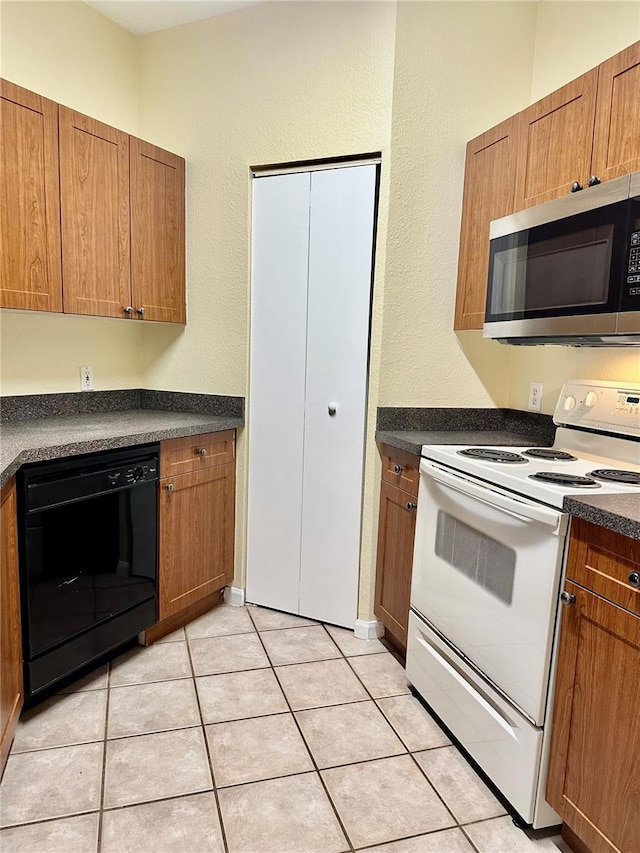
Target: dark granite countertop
x,y
409,428
53,436
620,513
412,440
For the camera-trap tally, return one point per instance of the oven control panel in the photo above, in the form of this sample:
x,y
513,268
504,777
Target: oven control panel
x,y
603,406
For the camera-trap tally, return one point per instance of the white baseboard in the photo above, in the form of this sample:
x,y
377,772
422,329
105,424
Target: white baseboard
x,y
234,595
368,630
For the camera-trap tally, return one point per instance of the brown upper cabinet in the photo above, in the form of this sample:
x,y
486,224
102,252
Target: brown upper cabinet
x,y
157,233
616,141
488,194
94,202
591,126
30,274
107,205
555,137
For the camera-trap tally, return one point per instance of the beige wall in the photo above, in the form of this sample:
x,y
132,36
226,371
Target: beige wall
x,y
459,69
597,30
71,54
278,82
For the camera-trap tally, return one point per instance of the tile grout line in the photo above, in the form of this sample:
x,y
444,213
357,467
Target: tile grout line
x,y
308,748
104,762
207,750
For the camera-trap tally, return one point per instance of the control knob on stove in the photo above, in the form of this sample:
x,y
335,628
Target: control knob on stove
x,y
590,399
569,403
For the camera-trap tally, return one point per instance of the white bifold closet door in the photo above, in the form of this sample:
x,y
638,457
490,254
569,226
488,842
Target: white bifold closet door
x,y
311,294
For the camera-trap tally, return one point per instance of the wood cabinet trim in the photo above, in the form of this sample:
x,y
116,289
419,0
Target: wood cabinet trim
x,y
180,455
37,261
158,244
617,131
196,536
571,134
487,195
94,199
395,578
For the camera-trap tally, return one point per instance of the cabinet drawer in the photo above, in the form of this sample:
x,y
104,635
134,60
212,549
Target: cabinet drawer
x,y
401,470
195,452
606,563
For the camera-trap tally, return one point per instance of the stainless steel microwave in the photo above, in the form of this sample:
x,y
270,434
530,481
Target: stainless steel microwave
x,y
568,271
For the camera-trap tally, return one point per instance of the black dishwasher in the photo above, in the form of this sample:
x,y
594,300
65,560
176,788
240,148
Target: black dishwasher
x,y
88,558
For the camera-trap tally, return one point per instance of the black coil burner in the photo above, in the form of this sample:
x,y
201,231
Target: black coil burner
x,y
550,454
488,454
611,475
557,478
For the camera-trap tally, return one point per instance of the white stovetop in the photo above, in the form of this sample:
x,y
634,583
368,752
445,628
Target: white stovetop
x,y
515,476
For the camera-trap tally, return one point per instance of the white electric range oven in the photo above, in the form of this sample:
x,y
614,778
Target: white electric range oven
x,y
487,572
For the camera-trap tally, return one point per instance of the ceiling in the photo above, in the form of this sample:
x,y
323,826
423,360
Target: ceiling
x,y
146,16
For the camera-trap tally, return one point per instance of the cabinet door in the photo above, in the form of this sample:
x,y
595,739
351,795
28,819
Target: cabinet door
x,y
616,143
94,196
489,180
555,138
29,201
157,233
196,536
396,532
11,691
593,781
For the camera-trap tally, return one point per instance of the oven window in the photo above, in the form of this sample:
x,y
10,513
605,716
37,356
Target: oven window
x,y
485,561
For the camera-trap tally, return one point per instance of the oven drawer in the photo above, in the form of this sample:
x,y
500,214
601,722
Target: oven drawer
x,y
506,745
195,452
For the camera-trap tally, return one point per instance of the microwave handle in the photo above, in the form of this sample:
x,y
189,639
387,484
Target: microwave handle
x,y
512,506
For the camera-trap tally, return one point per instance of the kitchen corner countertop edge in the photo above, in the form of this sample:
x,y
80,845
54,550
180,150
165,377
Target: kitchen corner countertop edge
x,y
41,439
619,513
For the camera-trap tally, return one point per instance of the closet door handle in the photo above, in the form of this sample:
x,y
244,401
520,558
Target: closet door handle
x,y
332,408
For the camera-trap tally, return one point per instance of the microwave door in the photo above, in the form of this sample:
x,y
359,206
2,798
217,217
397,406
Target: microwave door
x,y
565,268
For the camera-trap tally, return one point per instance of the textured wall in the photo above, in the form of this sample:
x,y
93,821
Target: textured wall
x,y
459,69
71,54
277,82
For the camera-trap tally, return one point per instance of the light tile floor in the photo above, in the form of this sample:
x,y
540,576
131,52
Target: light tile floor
x,y
249,732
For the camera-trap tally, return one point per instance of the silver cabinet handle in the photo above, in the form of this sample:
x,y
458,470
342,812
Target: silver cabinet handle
x,y
567,598
634,579
411,506
398,469
576,186
140,311
202,451
128,310
169,487
594,180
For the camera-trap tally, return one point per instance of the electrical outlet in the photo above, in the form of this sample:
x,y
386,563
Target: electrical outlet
x,y
535,396
86,379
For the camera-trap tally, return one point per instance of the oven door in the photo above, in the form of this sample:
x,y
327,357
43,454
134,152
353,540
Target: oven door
x,y
486,575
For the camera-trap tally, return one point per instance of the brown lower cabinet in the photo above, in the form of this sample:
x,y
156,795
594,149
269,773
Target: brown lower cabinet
x,y
594,771
396,532
196,520
11,689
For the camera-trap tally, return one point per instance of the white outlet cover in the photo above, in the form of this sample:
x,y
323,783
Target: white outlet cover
x,y
535,397
86,379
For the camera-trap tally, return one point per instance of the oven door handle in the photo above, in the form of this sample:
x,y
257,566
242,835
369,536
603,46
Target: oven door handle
x,y
512,506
